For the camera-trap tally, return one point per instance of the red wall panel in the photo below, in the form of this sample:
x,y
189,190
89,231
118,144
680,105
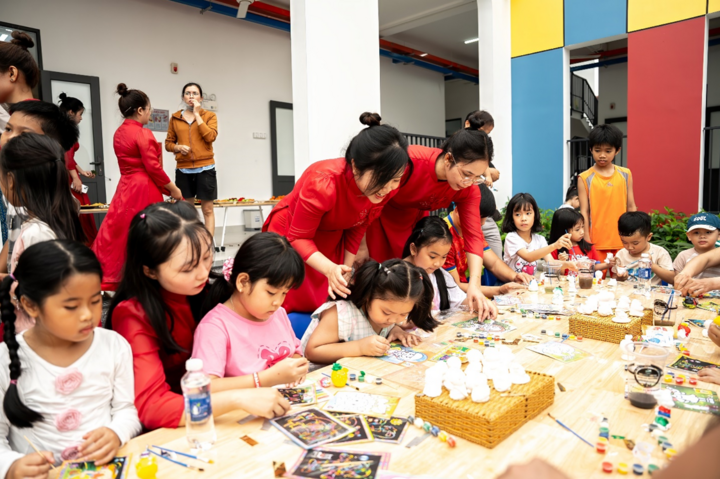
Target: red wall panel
x,y
665,86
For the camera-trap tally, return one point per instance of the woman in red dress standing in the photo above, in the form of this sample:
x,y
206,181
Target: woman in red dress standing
x,y
439,177
142,182
326,214
74,109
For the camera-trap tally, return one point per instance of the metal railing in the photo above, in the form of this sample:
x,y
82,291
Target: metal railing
x,y
583,99
424,140
711,173
581,158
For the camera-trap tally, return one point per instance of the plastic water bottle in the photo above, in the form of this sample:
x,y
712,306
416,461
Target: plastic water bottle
x,y
644,271
199,424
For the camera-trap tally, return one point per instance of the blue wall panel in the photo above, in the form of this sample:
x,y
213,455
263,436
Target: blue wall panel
x,y
587,20
537,126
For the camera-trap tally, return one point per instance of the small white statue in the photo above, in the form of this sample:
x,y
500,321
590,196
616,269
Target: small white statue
x,y
533,286
621,317
454,363
605,309
623,303
481,393
518,374
502,383
433,380
455,383
475,379
636,308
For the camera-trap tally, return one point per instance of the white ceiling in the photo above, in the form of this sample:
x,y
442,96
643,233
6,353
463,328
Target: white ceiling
x,y
439,27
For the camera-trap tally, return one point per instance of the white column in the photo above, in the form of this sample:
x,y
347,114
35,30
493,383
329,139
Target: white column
x,y
335,74
495,85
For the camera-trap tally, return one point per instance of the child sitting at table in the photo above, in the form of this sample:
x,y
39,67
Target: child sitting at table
x,y
703,230
523,246
247,335
567,220
66,384
635,233
383,297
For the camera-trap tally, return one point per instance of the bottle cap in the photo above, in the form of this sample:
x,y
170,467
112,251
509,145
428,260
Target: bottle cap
x,y
194,364
337,367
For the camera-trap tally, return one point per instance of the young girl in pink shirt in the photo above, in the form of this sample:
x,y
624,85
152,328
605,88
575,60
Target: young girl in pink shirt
x,y
247,334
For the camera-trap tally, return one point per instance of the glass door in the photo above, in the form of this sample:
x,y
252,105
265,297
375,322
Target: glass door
x,y
90,154
283,147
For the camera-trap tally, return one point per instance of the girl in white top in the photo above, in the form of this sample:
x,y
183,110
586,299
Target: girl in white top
x,y
383,297
523,247
67,385
427,248
33,178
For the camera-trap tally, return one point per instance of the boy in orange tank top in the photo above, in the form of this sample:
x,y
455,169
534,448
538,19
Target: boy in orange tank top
x,y
605,191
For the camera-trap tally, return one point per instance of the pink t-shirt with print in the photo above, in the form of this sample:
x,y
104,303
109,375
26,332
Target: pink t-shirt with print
x,y
231,345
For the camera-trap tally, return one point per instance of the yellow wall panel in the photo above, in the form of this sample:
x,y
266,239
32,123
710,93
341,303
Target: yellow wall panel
x,y
652,13
536,25
713,6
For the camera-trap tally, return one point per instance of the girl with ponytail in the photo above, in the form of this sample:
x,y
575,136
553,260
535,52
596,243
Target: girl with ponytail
x,y
385,296
247,335
77,377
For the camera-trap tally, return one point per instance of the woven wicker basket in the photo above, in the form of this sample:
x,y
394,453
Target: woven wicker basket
x,y
488,424
602,328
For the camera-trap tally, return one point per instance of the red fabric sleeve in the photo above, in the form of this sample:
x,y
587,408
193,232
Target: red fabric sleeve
x,y
150,156
316,198
468,204
554,254
450,259
157,405
70,158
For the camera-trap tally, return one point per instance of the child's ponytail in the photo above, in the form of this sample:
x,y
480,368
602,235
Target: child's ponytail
x,y
16,411
395,279
267,256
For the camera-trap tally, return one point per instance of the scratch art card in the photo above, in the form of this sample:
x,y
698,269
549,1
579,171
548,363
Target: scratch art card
x,y
398,354
700,323
560,351
328,464
692,365
299,395
361,430
115,469
447,353
311,427
362,403
694,399
488,326
388,429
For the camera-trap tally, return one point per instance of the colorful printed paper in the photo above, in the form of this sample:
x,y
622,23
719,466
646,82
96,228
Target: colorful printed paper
x,y
361,430
299,395
700,323
694,399
388,429
115,469
362,403
562,352
329,464
398,354
692,365
311,428
452,351
490,326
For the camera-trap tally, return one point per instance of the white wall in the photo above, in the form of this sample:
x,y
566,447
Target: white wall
x,y
412,98
613,88
134,41
461,97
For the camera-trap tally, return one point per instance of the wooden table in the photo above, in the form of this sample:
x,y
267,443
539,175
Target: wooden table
x,y
224,206
593,385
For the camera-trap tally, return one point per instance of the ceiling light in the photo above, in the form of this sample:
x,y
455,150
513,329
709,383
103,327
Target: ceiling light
x,y
423,54
3,37
472,40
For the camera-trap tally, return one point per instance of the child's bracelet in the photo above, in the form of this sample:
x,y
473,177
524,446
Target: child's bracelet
x,y
256,378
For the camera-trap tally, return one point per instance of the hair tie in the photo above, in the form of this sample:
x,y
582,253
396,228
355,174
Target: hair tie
x,y
142,216
227,268
13,381
380,266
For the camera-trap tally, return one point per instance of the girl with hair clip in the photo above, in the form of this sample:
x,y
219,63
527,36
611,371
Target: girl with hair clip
x,y
247,335
142,182
440,177
157,308
523,246
326,214
74,109
569,220
384,297
67,385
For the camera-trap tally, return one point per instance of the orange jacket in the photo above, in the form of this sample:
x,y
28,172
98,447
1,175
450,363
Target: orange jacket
x,y
198,137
